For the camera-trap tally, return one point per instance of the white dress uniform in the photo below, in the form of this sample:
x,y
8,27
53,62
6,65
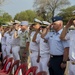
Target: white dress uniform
x,y
34,51
8,42
15,47
8,38
45,55
71,37
3,42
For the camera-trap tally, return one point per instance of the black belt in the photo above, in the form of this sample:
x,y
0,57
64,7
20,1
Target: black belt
x,y
52,56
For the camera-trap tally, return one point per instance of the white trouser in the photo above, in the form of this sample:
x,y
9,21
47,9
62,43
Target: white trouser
x,y
43,63
33,58
4,50
8,48
15,51
71,68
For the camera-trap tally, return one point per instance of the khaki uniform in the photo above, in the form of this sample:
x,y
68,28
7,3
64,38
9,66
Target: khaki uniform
x,y
24,38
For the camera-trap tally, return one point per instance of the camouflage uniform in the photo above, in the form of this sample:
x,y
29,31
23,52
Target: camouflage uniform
x,y
24,38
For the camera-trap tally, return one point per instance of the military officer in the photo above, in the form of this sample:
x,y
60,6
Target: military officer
x,y
58,48
34,44
24,42
71,37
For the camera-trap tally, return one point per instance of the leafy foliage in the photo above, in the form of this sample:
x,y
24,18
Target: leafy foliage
x,y
67,13
27,15
5,18
49,6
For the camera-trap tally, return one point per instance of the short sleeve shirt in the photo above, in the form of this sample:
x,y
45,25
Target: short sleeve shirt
x,y
24,38
71,37
34,46
56,45
8,38
44,47
15,41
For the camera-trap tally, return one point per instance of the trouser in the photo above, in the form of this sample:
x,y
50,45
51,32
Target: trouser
x,y
15,51
23,59
71,68
33,58
1,58
21,52
8,48
4,50
44,63
55,68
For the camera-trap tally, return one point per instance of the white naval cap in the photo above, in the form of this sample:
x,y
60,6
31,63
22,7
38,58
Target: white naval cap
x,y
5,25
10,23
37,20
16,21
45,23
24,23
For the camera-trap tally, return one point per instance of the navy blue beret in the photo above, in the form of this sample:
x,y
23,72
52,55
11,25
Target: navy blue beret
x,y
57,18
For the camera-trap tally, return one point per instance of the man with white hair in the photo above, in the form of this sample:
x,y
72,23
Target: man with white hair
x,y
58,48
24,42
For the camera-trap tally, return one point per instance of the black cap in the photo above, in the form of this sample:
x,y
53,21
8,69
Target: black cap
x,y
57,18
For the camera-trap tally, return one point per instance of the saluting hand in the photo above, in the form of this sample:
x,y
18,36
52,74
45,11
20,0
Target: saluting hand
x,y
70,22
49,26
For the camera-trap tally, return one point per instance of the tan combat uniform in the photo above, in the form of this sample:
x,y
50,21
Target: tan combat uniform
x,y
24,38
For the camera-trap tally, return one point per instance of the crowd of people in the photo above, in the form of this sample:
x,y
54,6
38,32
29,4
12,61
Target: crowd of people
x,y
49,45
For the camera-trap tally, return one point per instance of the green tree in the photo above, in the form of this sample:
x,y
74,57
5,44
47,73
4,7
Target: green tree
x,y
1,20
49,6
7,17
26,15
67,13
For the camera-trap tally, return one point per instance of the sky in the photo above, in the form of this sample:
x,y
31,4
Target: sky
x,y
15,6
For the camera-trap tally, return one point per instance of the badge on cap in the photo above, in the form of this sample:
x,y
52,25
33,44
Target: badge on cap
x,y
57,18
